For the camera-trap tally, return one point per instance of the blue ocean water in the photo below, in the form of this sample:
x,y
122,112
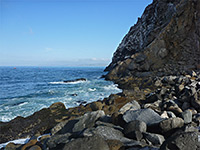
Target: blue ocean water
x,y
24,90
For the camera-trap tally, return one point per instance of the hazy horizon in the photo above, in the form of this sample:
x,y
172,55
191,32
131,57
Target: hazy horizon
x,y
64,32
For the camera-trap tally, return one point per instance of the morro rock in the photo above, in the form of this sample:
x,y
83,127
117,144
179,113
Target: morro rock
x,y
165,40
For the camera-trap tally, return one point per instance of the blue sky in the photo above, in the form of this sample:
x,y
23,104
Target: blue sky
x,y
64,32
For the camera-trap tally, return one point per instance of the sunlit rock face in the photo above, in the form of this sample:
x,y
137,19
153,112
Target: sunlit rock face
x,y
165,40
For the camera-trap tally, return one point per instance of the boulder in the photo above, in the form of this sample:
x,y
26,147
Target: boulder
x,y
96,106
187,116
135,135
133,105
29,144
164,115
58,127
87,143
115,145
190,128
35,147
144,148
12,146
186,105
87,120
152,97
172,106
155,139
195,101
64,127
146,115
100,123
171,123
109,133
117,119
155,106
171,114
77,125
182,141
58,141
135,125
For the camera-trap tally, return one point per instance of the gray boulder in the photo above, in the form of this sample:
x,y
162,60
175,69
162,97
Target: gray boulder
x,y
171,114
87,143
58,141
187,116
135,135
155,139
182,141
171,123
134,129
100,123
195,101
148,116
88,120
64,127
58,127
109,133
133,105
77,125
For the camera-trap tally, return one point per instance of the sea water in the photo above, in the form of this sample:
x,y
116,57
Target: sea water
x,y
25,90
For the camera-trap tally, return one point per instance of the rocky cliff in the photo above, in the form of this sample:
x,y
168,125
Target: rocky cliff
x,y
165,40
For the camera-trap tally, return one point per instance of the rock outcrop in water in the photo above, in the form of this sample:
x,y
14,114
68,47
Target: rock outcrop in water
x,y
75,80
157,66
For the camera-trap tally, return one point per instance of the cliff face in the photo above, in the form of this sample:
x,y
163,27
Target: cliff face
x,y
165,40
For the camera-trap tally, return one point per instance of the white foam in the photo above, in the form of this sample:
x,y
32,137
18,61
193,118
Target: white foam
x,y
23,103
6,118
92,89
19,141
61,82
112,87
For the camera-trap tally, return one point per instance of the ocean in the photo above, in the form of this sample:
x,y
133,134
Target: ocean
x,y
25,90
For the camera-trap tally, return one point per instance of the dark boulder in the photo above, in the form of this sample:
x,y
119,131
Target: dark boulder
x,y
57,141
155,139
87,143
146,115
135,125
182,141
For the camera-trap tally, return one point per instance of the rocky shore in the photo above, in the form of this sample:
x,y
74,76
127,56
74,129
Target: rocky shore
x,y
165,118
157,65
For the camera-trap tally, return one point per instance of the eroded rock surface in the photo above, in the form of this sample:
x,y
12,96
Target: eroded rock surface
x,y
160,42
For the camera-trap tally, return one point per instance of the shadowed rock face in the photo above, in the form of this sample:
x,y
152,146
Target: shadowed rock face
x,y
165,40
